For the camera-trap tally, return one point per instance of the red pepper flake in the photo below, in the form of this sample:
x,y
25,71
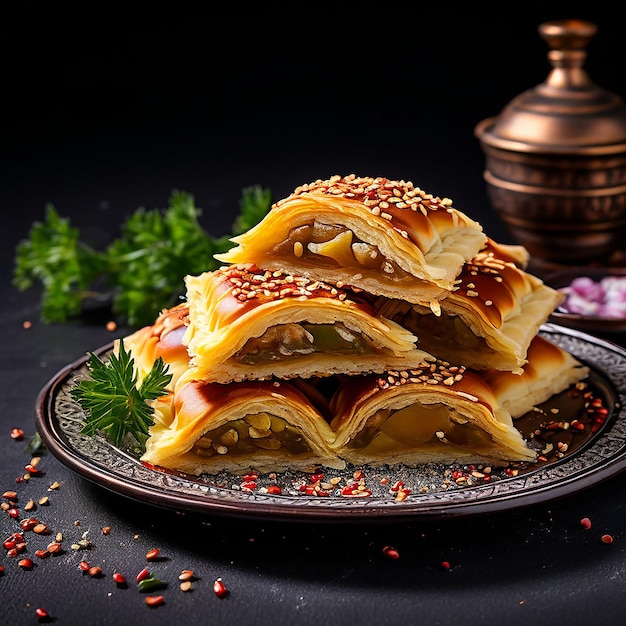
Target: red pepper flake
x,y
391,553
219,588
143,574
274,490
402,495
13,512
17,434
585,522
12,540
29,523
95,571
26,564
355,491
445,565
42,554
32,470
106,530
41,613
155,600
119,578
606,539
153,555
348,490
83,566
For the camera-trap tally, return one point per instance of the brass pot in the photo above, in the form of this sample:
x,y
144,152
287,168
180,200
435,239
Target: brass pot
x,y
556,160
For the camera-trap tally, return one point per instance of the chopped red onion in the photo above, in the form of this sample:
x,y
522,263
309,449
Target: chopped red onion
x,y
603,298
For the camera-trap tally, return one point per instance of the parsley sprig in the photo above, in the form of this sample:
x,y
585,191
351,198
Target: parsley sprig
x,y
115,404
140,272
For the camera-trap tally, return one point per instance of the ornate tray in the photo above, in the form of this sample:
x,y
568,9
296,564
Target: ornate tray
x,y
432,491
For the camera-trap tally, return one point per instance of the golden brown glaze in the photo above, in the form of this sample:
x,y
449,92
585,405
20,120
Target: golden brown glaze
x,y
489,319
206,409
550,370
396,239
238,289
247,323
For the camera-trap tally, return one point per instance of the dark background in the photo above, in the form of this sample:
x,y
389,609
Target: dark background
x,y
104,112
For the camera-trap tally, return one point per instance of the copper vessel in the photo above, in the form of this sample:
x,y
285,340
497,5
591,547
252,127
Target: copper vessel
x,y
556,160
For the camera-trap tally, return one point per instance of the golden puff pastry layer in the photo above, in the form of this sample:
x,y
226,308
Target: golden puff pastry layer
x,y
549,370
250,324
384,236
489,319
434,414
257,426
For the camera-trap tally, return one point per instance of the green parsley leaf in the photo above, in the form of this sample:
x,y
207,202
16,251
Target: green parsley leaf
x,y
54,255
141,272
116,405
151,583
155,251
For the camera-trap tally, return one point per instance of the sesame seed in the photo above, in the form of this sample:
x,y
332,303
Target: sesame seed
x,y
274,285
377,194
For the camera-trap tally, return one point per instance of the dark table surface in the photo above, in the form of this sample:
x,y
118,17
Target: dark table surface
x,y
532,565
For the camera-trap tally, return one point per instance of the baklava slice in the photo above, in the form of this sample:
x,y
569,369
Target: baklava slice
x,y
247,323
438,413
387,237
489,319
263,426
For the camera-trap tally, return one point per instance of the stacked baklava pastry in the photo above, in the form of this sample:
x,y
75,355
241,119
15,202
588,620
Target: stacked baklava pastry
x,y
362,321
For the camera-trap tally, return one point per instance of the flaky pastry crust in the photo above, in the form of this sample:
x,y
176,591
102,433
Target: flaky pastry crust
x,y
549,370
250,324
437,413
253,425
489,319
384,236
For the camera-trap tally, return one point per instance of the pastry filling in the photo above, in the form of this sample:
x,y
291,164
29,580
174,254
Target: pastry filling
x,y
418,425
257,431
335,245
287,340
436,331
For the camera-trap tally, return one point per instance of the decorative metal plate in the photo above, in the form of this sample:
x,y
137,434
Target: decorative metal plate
x,y
432,493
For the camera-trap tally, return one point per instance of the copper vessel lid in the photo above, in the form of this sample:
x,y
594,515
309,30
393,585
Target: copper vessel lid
x,y
567,113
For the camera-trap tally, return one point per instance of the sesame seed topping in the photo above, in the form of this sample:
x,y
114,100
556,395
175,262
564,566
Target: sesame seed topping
x,y
249,282
378,194
436,372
